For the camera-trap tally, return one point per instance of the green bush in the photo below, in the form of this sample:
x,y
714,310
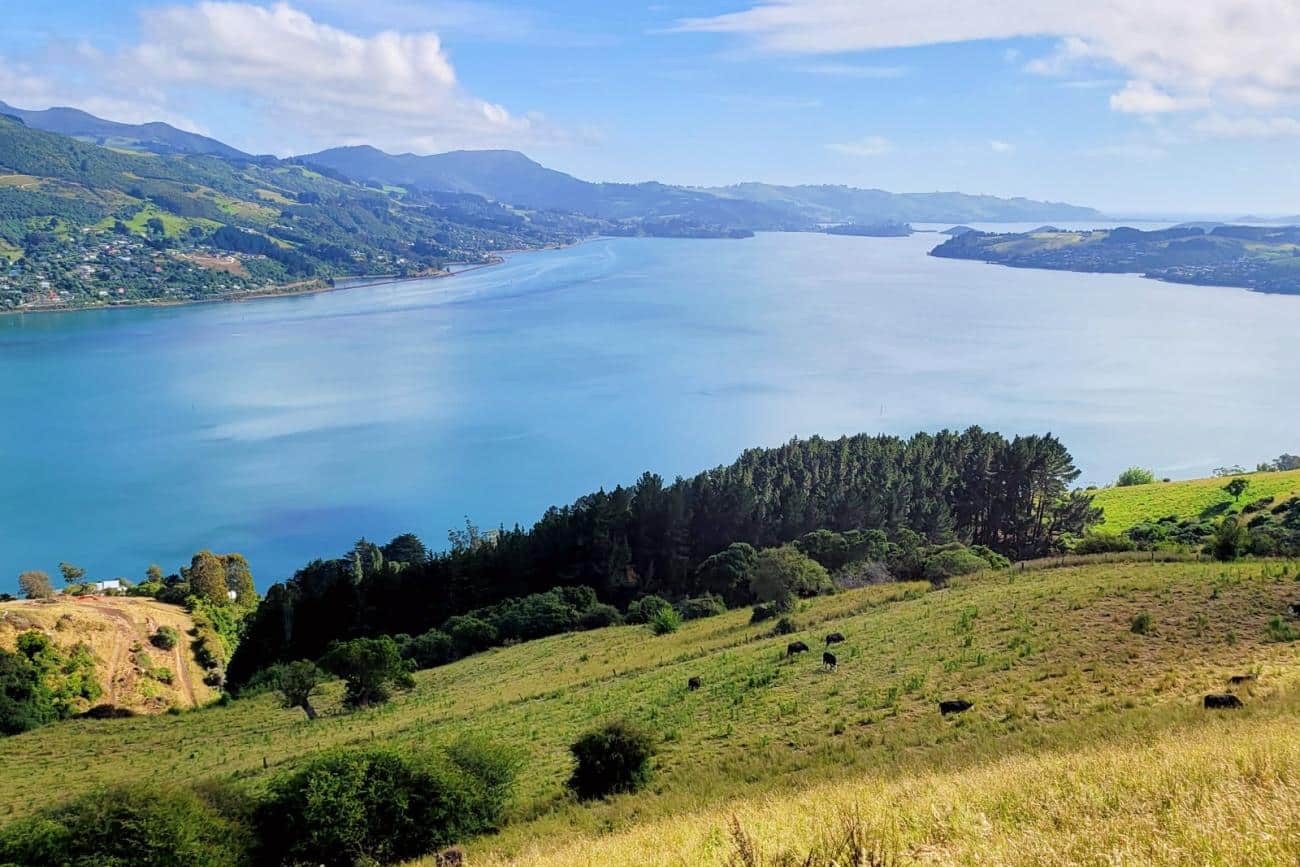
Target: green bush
x,y
370,667
133,825
702,606
612,759
165,638
993,558
600,615
643,610
762,612
1140,624
951,562
782,574
666,620
1135,476
470,634
379,806
784,626
1102,542
431,649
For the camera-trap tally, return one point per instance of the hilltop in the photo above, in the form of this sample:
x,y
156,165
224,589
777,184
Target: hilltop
x,y
132,673
1191,500
1071,701
157,138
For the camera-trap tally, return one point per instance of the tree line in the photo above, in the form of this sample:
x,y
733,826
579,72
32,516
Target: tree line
x,y
1013,497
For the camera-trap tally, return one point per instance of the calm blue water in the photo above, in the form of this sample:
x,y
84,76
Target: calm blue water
x,y
287,428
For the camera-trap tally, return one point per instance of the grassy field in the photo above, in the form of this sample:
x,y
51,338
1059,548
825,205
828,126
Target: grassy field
x,y
1189,499
117,630
1058,678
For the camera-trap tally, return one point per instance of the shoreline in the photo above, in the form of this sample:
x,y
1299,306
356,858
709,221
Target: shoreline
x,y
286,292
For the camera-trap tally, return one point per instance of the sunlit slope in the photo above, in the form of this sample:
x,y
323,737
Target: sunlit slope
x,y
1189,500
1048,658
117,631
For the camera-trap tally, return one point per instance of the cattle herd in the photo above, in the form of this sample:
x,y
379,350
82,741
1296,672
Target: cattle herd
x,y
1213,701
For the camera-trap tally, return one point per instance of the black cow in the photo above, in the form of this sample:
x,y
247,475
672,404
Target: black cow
x,y
956,705
1222,701
834,638
1295,609
1238,679
795,647
829,661
693,684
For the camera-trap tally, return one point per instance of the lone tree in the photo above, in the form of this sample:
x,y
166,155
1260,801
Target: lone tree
x,y
207,578
72,574
35,585
1135,476
1236,488
369,667
782,574
297,681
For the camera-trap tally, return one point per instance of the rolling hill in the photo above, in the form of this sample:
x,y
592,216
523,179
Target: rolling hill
x,y
117,631
1189,500
1086,739
156,138
508,176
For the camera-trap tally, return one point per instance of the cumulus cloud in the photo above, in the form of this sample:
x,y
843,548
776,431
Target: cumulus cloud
x,y
310,83
1221,126
870,146
1175,56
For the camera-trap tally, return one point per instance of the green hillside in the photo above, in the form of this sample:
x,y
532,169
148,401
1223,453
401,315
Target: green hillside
x,y
1189,500
82,225
1060,680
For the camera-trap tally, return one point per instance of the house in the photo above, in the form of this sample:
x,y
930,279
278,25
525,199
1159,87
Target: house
x,y
110,584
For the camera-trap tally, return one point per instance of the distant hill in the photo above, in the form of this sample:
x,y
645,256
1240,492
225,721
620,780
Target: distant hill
x,y
839,203
509,176
1194,499
117,631
158,138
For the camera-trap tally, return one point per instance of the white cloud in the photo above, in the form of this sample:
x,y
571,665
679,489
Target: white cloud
x,y
1001,147
870,146
1139,152
1221,126
1175,55
308,83
854,70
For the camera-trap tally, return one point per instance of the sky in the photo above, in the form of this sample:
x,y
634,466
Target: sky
x,y
1137,107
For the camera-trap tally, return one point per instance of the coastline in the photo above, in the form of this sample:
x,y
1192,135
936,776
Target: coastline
x,y
287,290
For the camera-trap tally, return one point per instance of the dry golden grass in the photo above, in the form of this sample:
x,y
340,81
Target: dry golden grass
x,y
1225,792
117,629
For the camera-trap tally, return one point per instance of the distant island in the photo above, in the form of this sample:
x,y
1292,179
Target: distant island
x,y
889,229
1260,258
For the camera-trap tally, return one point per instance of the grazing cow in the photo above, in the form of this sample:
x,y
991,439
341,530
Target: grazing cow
x,y
829,661
1238,679
1295,609
1222,701
834,638
956,705
795,647
693,684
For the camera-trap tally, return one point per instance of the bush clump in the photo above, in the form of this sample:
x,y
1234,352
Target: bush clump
x,y
762,612
701,606
643,610
165,638
666,620
1140,624
784,626
138,824
612,759
381,807
600,615
950,562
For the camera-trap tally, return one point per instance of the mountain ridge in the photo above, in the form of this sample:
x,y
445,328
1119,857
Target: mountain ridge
x,y
152,137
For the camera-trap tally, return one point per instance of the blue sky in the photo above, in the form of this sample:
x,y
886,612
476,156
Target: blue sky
x,y
1133,106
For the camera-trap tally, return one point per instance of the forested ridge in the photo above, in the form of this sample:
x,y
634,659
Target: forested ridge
x,y
976,487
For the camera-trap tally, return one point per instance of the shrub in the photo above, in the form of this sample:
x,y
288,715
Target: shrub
x,y
378,806
993,558
1102,542
643,610
784,626
600,615
612,759
702,606
1281,631
1135,476
726,573
951,562
784,573
1140,624
666,620
1229,540
369,667
862,574
146,823
761,613
431,649
165,638
470,634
